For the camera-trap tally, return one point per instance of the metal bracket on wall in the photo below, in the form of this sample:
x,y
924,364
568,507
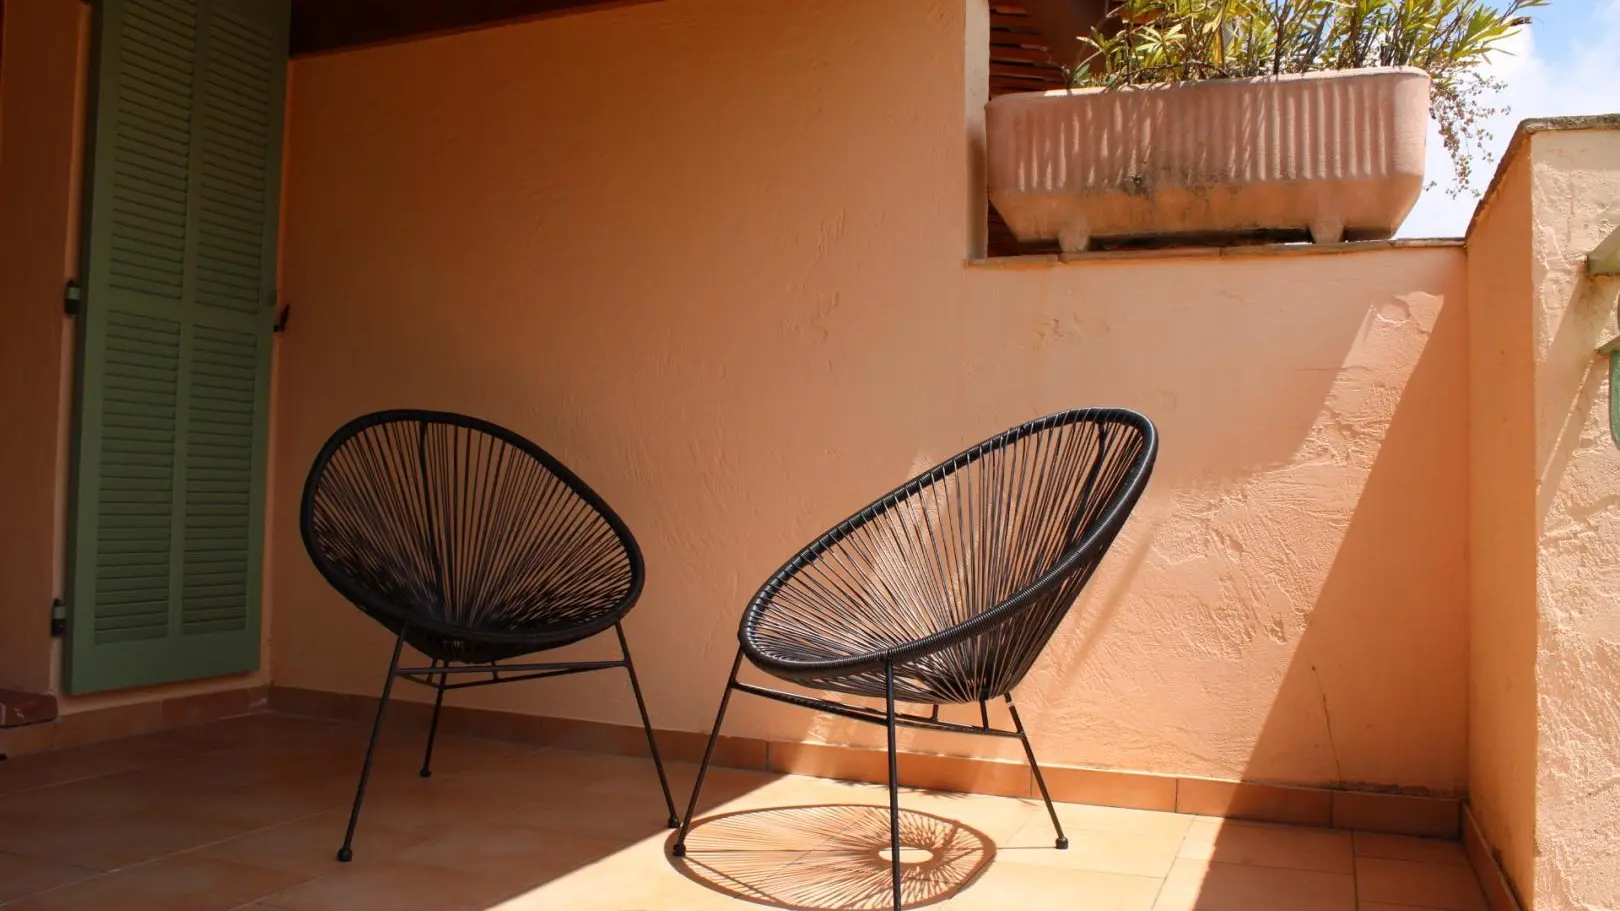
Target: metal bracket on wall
x,y
58,619
1605,257
72,297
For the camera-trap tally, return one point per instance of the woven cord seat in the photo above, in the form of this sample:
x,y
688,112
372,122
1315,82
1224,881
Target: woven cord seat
x,y
946,590
473,546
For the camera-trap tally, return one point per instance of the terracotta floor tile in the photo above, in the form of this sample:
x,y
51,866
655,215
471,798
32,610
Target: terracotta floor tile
x,y
1130,853
171,884
89,799
784,791
1402,882
426,804
1114,819
116,841
254,807
309,846
248,813
40,769
721,785
1204,886
1022,887
628,816
496,849
24,876
998,818
539,776
654,890
382,885
452,754
1402,847
1260,845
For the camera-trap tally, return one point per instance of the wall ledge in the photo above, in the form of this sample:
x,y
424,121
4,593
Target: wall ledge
x,y
1521,135
1236,251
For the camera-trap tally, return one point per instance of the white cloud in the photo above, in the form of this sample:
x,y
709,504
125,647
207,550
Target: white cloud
x,y
1541,82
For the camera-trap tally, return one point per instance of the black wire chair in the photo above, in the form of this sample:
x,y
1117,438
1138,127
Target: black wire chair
x,y
473,546
945,591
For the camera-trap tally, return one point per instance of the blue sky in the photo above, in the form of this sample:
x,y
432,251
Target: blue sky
x,y
1567,62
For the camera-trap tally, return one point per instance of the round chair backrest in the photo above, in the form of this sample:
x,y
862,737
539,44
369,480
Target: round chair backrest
x,y
1013,526
452,525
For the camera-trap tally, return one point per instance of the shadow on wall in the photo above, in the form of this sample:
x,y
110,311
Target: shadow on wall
x,y
1375,693
1573,391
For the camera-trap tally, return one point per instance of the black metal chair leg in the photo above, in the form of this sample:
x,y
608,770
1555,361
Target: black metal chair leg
x,y
1062,840
894,788
646,723
433,728
346,853
697,787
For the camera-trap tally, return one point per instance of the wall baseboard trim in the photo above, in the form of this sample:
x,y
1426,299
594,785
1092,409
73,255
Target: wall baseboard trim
x,y
1399,814
81,729
1500,892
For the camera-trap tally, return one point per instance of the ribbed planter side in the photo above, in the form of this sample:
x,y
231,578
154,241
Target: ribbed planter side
x,y
1336,155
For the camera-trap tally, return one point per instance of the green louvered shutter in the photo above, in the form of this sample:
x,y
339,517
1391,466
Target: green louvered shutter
x,y
174,342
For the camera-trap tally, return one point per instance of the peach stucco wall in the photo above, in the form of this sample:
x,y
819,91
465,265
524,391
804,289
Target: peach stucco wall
x,y
724,280
1502,510
38,113
1576,187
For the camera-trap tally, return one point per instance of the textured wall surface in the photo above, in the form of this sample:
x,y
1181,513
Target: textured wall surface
x,y
1503,522
724,280
1576,182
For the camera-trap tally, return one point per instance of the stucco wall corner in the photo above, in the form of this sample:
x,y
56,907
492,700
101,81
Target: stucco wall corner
x,y
1575,167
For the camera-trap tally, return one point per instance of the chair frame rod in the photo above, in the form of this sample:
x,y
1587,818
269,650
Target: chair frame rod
x,y
442,669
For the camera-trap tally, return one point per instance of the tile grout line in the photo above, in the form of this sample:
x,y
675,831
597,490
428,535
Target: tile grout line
x,y
1181,846
1355,871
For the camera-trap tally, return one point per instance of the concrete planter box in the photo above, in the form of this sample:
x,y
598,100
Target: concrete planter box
x,y
1332,156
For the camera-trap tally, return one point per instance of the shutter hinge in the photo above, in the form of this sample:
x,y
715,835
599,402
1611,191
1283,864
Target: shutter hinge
x,y
72,298
281,318
58,618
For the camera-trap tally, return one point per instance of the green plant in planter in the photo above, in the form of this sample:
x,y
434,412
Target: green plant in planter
x,y
1156,41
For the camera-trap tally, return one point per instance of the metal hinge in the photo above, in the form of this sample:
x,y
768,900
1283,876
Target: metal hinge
x,y
58,619
281,314
72,297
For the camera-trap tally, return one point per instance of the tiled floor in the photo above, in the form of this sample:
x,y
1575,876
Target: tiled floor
x,y
248,813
